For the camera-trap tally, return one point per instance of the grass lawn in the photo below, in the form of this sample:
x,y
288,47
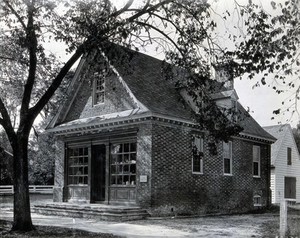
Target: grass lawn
x,y
47,231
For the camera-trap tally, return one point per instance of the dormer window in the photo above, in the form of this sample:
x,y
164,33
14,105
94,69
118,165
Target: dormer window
x,y
98,88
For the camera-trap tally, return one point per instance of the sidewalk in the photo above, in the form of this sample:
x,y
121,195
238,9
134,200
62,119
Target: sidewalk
x,y
121,229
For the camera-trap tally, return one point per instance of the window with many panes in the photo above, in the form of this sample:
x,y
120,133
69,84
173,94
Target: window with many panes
x,y
78,165
123,164
256,161
289,156
227,158
98,88
197,147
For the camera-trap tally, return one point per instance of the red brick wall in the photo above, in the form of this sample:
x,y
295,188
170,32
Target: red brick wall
x,y
175,190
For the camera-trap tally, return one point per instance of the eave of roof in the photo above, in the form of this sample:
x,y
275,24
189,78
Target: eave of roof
x,y
98,123
131,117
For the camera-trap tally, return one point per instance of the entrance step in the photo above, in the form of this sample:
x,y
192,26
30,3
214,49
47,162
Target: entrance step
x,y
92,211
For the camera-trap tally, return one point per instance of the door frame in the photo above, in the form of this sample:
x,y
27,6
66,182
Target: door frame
x,y
107,159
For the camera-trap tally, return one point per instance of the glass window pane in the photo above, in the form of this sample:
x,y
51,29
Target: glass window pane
x,y
255,168
126,180
133,147
256,153
126,168
113,179
116,148
133,158
113,169
227,166
126,147
196,164
70,180
119,180
120,158
132,168
120,169
132,180
114,159
226,150
126,158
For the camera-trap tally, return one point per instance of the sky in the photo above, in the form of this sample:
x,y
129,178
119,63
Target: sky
x,y
261,101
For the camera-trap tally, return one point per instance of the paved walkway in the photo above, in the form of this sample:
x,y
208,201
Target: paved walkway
x,y
116,228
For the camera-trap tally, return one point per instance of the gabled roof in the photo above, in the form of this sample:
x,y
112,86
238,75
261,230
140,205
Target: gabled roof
x,y
279,132
145,79
251,127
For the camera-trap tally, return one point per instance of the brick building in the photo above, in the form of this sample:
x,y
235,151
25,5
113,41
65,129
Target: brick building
x,y
125,135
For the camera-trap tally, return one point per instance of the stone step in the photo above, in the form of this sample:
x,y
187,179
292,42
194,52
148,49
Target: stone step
x,y
101,213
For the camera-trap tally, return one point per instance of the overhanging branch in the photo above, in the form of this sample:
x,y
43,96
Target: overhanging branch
x,y
122,10
147,10
35,110
162,33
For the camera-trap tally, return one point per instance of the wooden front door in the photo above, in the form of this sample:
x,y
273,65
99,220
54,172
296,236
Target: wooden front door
x,y
98,173
290,187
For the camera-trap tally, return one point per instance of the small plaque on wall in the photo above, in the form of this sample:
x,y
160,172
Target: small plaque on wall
x,y
143,178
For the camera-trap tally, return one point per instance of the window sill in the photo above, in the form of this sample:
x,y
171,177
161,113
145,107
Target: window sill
x,y
78,185
122,186
98,104
256,176
197,173
228,174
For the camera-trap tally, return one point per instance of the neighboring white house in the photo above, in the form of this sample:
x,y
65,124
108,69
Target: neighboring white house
x,y
285,164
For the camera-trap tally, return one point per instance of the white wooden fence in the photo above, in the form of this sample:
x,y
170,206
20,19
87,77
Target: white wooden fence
x,y
45,189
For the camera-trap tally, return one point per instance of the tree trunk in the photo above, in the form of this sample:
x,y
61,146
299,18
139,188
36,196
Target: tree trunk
x,y
22,216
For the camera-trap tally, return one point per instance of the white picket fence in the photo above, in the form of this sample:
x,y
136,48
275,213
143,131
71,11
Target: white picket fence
x,y
45,189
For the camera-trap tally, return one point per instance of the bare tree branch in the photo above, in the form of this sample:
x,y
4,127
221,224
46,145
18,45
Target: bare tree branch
x,y
147,10
162,33
125,8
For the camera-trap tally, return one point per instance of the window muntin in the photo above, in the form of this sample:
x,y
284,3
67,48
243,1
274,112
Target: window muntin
x,y
123,164
197,148
256,161
289,156
78,165
227,158
98,88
